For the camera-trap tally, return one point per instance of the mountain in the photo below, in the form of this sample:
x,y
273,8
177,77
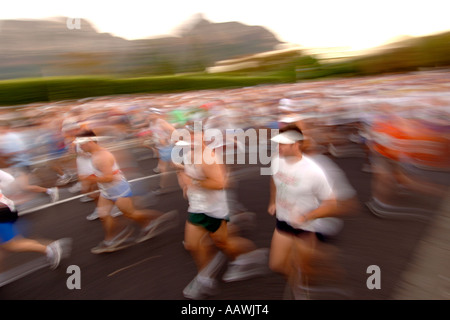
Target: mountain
x,y
36,48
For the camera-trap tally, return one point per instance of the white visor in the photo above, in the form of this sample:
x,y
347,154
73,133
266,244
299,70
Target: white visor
x,y
290,119
182,143
81,140
288,137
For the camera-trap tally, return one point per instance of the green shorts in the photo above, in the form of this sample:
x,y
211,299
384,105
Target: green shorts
x,y
209,223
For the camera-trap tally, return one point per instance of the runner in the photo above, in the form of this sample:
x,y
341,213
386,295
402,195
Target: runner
x,y
411,161
14,150
302,201
72,128
161,131
50,143
12,240
115,190
206,230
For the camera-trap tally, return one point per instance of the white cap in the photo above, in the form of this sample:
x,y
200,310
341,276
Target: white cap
x,y
288,137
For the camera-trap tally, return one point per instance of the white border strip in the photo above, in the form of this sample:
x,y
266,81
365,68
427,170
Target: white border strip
x,y
78,196
237,173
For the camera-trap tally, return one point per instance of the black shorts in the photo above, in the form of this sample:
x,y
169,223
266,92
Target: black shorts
x,y
284,227
6,215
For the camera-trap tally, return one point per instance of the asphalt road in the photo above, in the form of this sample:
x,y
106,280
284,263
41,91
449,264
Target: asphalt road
x,y
160,268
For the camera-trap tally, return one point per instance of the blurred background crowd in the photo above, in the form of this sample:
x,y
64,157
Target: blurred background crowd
x,y
398,123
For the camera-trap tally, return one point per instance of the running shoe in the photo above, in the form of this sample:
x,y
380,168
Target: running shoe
x,y
75,188
59,249
383,210
308,292
161,224
367,167
113,244
54,194
199,290
86,199
161,191
115,212
63,180
245,221
255,264
93,216
157,192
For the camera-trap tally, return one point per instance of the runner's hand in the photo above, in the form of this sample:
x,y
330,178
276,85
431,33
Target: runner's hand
x,y
271,209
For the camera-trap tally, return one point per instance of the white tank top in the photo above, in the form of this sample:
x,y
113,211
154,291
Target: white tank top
x,y
118,176
201,200
5,180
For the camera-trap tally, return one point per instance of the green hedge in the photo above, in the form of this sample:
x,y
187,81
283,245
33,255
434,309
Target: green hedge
x,y
24,91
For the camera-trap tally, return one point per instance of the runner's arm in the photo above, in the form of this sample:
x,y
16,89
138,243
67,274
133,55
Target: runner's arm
x,y
328,208
272,202
104,163
215,177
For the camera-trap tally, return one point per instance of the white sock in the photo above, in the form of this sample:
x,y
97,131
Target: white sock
x,y
49,191
49,252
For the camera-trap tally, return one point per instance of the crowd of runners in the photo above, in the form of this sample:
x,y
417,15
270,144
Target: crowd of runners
x,y
397,123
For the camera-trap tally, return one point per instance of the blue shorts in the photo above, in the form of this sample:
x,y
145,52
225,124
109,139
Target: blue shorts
x,y
121,189
59,152
8,231
165,153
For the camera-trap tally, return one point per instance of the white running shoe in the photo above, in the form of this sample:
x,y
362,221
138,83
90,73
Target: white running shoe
x,y
198,290
115,212
114,244
75,188
93,216
308,292
54,194
161,224
59,249
63,180
86,199
247,266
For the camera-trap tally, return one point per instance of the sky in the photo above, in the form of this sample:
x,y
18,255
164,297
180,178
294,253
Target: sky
x,y
352,24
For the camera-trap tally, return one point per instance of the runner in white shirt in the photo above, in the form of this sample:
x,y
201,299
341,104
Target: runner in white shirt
x,y
115,190
206,233
302,200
